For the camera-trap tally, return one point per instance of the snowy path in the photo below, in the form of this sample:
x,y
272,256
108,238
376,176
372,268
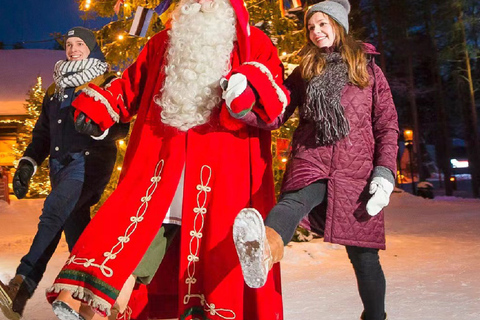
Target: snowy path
x,y
431,263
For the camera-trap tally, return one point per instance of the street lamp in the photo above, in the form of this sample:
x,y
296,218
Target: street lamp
x,y
408,137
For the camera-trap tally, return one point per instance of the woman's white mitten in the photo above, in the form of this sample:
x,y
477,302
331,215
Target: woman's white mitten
x,y
380,189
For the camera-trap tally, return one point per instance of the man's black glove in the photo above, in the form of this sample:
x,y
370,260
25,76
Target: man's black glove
x,y
85,125
22,177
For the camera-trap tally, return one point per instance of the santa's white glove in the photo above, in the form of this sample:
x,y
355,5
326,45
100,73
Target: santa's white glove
x,y
238,95
380,188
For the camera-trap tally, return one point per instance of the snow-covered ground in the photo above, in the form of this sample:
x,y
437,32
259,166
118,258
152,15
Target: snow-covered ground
x,y
431,263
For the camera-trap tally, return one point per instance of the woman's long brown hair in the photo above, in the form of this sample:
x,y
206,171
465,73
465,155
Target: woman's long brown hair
x,y
313,61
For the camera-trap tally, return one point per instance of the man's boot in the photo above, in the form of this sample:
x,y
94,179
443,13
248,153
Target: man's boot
x,y
275,245
258,248
14,297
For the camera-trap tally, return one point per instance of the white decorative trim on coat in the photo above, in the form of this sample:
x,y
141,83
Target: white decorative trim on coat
x,y
193,258
282,97
98,97
125,238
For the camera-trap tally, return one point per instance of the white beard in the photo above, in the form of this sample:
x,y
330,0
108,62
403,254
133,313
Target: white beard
x,y
201,43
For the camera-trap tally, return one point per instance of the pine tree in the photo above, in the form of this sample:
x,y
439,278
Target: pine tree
x,y
285,31
466,84
40,182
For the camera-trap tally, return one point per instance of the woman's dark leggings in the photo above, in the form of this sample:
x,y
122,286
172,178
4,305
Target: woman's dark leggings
x,y
294,206
370,280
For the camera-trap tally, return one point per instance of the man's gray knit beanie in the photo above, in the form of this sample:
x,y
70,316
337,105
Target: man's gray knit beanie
x,y
85,34
337,9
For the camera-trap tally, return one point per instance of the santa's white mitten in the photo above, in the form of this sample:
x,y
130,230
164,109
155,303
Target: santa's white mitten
x,y
238,95
381,188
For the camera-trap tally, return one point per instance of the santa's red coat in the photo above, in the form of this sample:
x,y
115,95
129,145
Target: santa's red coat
x,y
227,168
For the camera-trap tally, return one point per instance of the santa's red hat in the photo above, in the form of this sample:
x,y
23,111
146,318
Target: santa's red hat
x,y
243,29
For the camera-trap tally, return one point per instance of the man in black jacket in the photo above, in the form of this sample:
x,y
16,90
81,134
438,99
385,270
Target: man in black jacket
x,y
80,165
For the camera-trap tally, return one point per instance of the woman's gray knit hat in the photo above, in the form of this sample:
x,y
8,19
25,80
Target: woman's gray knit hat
x,y
337,9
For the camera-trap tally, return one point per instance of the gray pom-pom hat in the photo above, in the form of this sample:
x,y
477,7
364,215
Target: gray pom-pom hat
x,y
338,10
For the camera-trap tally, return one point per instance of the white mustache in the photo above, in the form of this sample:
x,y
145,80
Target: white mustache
x,y
209,6
192,8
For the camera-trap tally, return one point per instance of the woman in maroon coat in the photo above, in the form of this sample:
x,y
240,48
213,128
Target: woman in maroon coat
x,y
341,171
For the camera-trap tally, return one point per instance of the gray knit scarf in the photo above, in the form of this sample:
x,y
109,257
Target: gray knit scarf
x,y
322,103
71,74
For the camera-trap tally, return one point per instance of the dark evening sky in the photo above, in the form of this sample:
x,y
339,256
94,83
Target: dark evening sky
x,y
30,21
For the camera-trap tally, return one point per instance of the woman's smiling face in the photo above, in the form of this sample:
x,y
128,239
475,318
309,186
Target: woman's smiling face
x,y
320,30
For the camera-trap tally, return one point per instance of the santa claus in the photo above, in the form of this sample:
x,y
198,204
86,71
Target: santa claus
x,y
200,92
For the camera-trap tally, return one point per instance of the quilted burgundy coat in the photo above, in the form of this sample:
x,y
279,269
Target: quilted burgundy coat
x,y
348,164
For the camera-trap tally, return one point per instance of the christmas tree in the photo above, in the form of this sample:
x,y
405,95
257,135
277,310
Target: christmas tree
x,y
40,182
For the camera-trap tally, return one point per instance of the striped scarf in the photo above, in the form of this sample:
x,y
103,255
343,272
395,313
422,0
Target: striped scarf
x,y
322,104
71,74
